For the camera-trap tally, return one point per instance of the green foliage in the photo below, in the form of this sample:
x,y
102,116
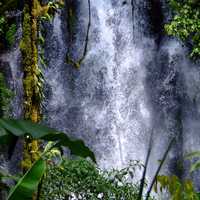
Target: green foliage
x,y
10,34
7,26
2,23
53,6
81,179
28,184
178,190
7,30
186,23
32,130
196,165
5,96
33,77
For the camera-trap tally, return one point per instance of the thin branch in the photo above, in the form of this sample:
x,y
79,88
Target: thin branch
x,y
132,6
160,166
142,182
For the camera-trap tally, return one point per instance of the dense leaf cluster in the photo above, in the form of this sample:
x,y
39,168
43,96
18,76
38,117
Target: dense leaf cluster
x,y
186,23
178,189
81,179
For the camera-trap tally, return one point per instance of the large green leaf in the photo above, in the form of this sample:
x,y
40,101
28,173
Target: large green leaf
x,y
22,127
77,147
28,184
5,136
9,140
37,131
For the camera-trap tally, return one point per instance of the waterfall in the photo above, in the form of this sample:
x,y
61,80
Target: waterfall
x,y
134,80
10,65
130,83
105,102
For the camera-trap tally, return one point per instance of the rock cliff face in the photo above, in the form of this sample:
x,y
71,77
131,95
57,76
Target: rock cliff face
x,y
133,80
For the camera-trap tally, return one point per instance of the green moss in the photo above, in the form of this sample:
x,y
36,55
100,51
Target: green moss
x,y
70,61
32,81
31,153
32,74
5,97
33,78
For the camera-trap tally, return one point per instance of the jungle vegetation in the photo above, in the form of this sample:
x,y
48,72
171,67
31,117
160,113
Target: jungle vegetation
x,y
47,173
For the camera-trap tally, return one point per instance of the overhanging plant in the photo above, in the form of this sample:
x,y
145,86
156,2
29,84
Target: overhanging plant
x,y
82,179
21,128
28,184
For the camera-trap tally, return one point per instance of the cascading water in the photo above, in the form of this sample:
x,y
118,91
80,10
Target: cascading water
x,y
108,101
10,65
104,102
133,80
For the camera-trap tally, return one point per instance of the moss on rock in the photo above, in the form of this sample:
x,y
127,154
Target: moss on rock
x,y
32,80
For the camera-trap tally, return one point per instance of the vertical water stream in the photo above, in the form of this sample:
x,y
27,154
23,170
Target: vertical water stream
x,y
134,79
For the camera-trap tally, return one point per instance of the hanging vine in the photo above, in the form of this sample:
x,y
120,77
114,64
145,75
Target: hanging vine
x,y
132,12
69,60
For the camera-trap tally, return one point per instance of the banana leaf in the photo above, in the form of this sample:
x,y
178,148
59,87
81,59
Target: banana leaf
x,y
28,184
21,128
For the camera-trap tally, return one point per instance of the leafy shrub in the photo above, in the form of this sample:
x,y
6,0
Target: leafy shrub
x,y
178,190
28,184
81,179
186,23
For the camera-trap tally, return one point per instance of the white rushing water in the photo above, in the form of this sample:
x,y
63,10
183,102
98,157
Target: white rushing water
x,y
104,102
125,88
134,79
